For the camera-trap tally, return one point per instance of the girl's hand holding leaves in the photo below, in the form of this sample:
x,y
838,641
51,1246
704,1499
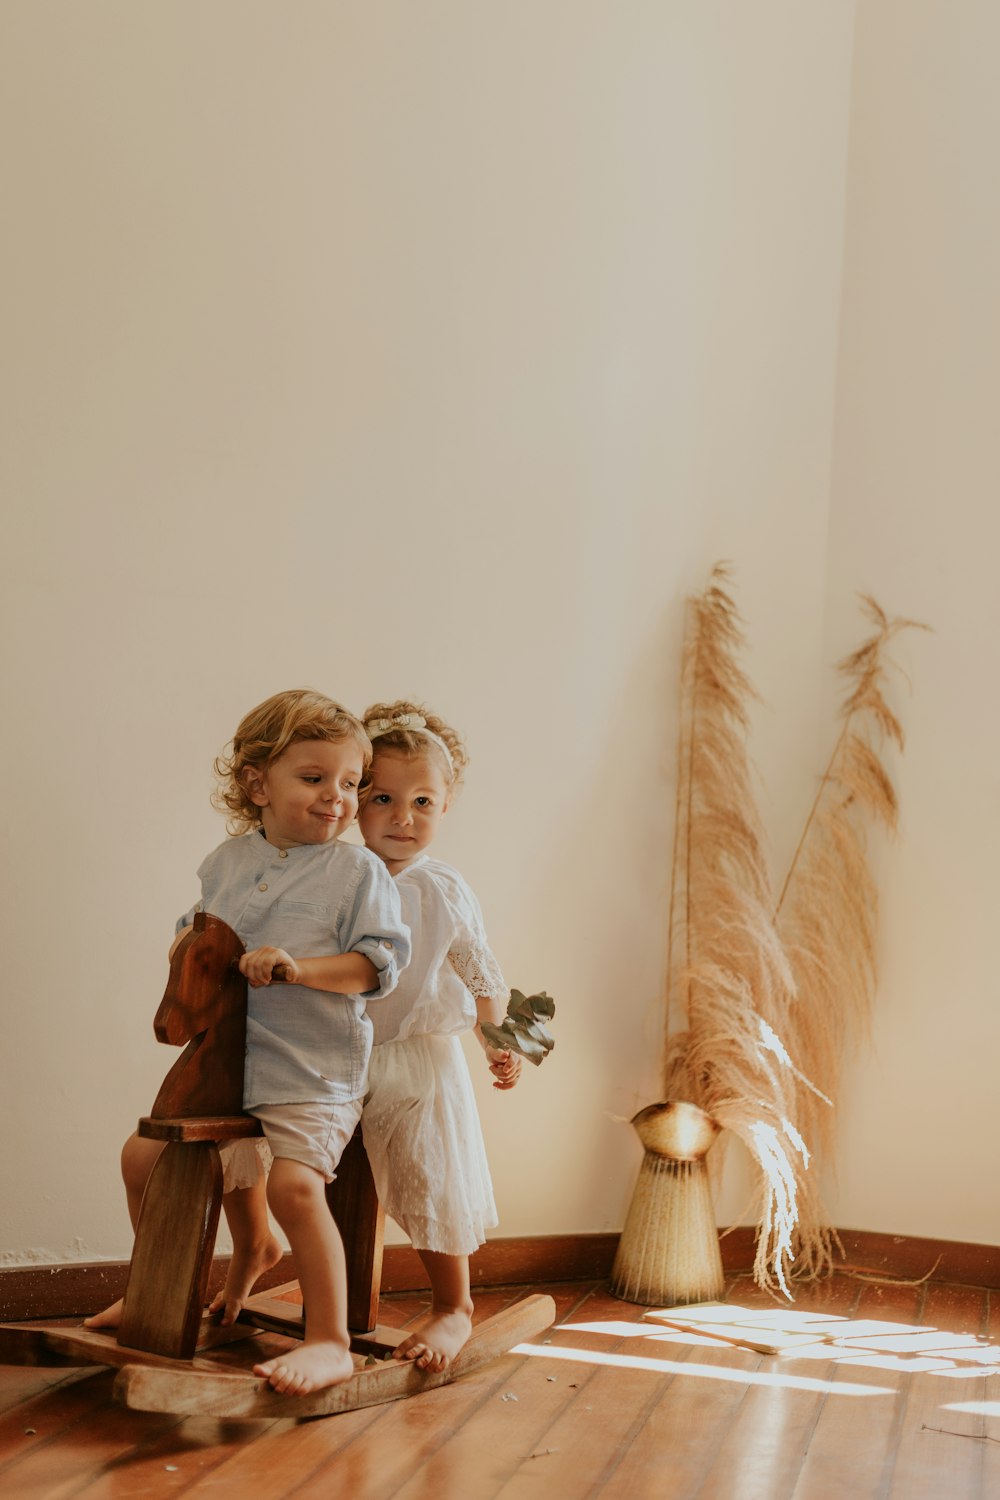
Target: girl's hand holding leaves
x,y
523,1029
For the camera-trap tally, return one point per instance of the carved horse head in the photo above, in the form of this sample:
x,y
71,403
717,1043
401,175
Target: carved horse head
x,y
204,1004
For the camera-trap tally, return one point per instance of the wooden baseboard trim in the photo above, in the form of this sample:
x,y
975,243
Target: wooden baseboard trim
x,y
909,1257
78,1288
893,1257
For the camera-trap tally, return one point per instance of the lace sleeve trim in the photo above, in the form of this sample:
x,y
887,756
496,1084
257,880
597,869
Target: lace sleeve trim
x,y
478,970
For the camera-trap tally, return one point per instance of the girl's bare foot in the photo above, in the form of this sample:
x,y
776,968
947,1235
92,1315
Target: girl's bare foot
x,y
245,1268
435,1343
310,1367
109,1318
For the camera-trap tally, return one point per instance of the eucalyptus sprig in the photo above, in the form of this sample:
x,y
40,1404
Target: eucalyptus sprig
x,y
523,1028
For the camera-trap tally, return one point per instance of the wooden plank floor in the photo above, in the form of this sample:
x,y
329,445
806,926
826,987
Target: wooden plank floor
x,y
606,1405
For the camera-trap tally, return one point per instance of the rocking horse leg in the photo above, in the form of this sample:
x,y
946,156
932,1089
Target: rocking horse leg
x,y
172,1256
360,1219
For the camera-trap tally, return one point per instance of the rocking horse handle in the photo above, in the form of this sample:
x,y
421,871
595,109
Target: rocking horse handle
x,y
279,974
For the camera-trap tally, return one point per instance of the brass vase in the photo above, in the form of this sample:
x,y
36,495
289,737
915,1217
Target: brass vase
x,y
668,1254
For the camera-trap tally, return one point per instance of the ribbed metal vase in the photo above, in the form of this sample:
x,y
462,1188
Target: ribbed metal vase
x,y
668,1254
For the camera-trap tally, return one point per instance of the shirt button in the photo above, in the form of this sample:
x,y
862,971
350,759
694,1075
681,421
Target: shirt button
x,y
262,886
282,853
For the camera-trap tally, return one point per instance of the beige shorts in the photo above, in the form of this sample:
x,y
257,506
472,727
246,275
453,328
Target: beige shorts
x,y
315,1134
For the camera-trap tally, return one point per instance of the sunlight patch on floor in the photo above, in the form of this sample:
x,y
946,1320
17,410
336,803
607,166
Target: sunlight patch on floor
x,y
702,1372
863,1343
871,1342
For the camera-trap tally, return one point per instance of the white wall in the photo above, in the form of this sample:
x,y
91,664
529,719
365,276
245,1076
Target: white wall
x,y
915,519
434,349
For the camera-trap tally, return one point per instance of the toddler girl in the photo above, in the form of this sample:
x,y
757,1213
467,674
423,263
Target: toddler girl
x,y
421,1127
329,914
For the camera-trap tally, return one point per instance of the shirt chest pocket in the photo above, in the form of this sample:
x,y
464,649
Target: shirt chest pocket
x,y
303,928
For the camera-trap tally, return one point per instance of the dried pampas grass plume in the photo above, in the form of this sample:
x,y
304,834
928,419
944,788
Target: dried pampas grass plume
x,y
827,912
730,985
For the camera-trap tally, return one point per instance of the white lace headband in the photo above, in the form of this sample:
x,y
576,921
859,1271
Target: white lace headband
x,y
416,722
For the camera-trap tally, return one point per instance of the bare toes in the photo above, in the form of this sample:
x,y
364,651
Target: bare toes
x,y
277,1376
411,1349
307,1369
109,1317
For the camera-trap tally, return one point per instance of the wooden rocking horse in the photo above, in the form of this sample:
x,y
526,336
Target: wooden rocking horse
x,y
164,1341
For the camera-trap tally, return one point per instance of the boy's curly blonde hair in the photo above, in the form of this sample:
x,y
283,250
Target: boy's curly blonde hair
x,y
266,732
403,738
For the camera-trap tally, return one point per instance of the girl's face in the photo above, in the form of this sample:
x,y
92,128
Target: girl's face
x,y
309,795
408,799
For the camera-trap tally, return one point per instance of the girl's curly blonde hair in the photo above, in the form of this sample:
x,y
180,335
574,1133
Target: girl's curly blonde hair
x,y
266,732
409,738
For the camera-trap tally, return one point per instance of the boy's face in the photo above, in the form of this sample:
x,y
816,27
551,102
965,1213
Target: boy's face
x,y
407,801
309,795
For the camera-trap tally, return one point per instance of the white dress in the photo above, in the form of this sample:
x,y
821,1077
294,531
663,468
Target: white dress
x,y
420,1121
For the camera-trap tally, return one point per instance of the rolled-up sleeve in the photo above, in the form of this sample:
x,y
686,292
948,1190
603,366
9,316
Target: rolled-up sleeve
x,y
372,924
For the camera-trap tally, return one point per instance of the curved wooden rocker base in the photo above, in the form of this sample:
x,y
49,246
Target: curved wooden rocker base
x,y
238,1396
199,1387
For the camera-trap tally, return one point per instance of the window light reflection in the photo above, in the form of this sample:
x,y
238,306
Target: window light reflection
x,y
862,1343
733,1376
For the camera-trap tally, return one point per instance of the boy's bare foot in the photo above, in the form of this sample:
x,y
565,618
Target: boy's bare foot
x,y
243,1273
245,1268
310,1367
110,1318
435,1343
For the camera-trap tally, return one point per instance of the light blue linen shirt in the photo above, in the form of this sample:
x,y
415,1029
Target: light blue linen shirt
x,y
305,1045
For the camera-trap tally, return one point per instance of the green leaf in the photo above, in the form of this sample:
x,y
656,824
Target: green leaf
x,y
531,1051
494,1035
538,1033
521,1030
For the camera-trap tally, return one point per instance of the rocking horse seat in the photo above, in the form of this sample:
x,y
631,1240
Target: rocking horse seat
x,y
200,1128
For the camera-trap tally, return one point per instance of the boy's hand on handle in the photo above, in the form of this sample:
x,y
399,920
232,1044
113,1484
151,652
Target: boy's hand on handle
x,y
505,1067
269,966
